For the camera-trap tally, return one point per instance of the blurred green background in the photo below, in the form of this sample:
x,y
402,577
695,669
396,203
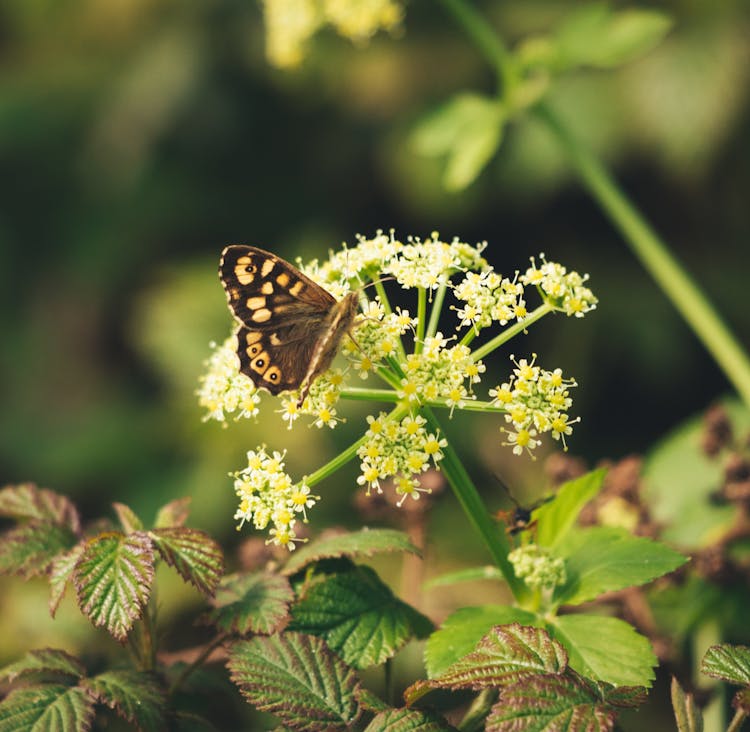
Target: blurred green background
x,y
139,137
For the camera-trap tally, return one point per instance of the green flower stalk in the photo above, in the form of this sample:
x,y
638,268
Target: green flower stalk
x,y
419,369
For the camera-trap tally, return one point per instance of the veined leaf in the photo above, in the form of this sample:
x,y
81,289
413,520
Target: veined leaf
x,y
197,558
556,703
47,708
28,550
60,573
128,519
556,518
604,648
687,714
506,654
113,579
728,663
174,513
42,663
408,720
257,602
461,632
26,501
358,616
134,696
298,679
366,543
603,559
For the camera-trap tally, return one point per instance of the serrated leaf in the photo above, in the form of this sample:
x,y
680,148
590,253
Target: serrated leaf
x,y
556,518
551,703
408,720
687,714
29,549
197,558
604,559
506,654
27,501
358,616
471,574
727,663
128,519
364,543
466,132
135,696
47,708
605,648
369,701
60,573
174,513
298,679
461,632
113,579
41,663
257,602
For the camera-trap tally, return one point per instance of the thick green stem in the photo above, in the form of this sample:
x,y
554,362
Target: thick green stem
x,y
474,508
737,721
437,306
706,635
195,665
421,319
513,330
386,395
476,715
654,255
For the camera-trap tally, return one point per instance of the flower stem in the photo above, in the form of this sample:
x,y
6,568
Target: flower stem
x,y
737,720
421,319
386,395
189,669
350,453
437,306
654,255
513,330
385,302
471,502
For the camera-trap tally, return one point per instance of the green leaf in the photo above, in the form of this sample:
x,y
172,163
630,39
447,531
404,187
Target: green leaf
x,y
127,518
595,36
604,559
370,702
42,663
461,632
365,543
135,696
604,648
175,513
408,720
358,616
688,715
29,549
552,703
197,558
252,603
26,501
506,654
298,679
47,708
60,573
472,574
728,663
466,132
113,579
557,517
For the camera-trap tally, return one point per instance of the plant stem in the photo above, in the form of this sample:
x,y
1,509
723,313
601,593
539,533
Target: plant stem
x,y
146,649
386,395
190,668
737,720
437,306
706,635
473,720
421,319
385,302
656,258
513,330
471,502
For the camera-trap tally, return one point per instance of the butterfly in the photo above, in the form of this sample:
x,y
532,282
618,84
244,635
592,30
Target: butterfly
x,y
290,327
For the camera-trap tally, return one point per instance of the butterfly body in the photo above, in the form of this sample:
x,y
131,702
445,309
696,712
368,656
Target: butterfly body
x,y
290,327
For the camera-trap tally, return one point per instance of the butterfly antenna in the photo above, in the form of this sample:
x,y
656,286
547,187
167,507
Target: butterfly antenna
x,y
507,490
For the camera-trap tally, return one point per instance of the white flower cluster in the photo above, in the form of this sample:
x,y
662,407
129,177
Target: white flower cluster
x,y
489,298
537,567
535,401
268,496
565,291
399,449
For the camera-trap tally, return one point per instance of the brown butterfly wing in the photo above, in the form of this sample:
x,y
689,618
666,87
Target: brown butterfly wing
x,y
266,293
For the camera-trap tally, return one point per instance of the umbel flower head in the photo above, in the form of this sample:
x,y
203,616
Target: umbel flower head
x,y
402,358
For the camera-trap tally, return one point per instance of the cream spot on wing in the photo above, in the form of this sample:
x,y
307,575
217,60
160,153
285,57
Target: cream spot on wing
x,y
267,288
261,316
253,337
275,340
253,350
268,265
297,288
273,375
245,270
283,279
260,364
253,303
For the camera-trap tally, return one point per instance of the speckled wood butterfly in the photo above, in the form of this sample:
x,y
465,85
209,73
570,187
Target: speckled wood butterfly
x,y
290,327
